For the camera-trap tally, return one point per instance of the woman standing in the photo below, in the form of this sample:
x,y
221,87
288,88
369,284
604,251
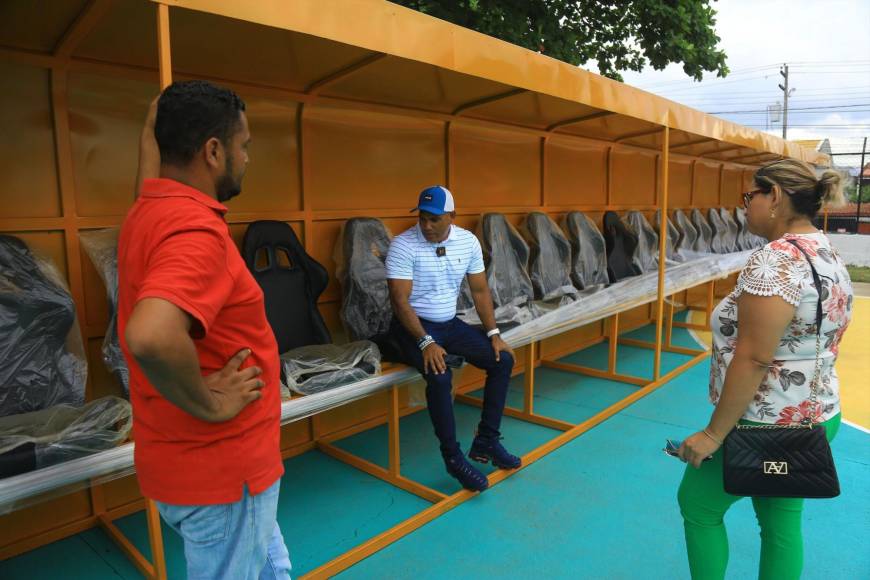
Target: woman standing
x,y
763,361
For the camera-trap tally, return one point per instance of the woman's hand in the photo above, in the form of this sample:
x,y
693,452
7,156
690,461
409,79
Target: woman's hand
x,y
697,448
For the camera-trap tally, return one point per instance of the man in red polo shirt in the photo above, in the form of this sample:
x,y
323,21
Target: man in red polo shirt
x,y
203,361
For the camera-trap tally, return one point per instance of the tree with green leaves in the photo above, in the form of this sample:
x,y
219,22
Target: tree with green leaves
x,y
618,35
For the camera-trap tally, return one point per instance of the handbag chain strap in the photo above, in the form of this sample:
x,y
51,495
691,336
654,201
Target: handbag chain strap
x,y
814,384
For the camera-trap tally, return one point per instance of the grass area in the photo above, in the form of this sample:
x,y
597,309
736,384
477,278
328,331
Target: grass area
x,y
859,273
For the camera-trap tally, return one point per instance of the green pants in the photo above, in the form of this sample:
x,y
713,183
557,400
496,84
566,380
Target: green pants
x,y
703,503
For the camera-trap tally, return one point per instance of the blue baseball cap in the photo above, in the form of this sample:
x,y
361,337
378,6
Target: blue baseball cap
x,y
436,200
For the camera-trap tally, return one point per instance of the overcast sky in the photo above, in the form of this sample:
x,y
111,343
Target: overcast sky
x,y
827,46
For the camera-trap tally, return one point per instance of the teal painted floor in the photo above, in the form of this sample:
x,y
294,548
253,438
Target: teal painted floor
x,y
602,506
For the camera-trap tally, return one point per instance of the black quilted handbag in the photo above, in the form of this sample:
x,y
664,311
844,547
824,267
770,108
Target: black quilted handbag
x,y
783,460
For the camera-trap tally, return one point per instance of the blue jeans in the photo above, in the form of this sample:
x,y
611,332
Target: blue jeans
x,y
457,337
236,541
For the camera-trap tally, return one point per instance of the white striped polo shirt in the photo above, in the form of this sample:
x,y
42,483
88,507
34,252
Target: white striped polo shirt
x,y
437,279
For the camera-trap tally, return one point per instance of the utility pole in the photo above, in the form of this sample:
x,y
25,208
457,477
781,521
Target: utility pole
x,y
860,183
784,72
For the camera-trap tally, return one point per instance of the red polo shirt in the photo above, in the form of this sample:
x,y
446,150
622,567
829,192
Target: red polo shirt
x,y
175,245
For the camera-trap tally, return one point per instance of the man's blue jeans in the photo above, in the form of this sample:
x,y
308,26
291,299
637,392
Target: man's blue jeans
x,y
233,541
457,337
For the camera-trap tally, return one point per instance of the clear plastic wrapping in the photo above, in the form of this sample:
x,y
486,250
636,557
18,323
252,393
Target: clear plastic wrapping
x,y
720,240
61,433
42,359
705,234
672,248
688,233
316,368
624,295
101,246
646,256
747,239
361,253
550,257
730,239
588,255
507,256
621,245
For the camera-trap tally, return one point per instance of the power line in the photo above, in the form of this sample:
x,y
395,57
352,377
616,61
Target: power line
x,y
795,109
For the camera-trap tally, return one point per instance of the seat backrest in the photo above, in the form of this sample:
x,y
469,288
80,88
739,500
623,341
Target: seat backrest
x,y
550,257
720,241
688,232
747,239
102,248
365,310
672,247
646,257
705,232
291,280
507,257
37,327
733,229
621,246
588,251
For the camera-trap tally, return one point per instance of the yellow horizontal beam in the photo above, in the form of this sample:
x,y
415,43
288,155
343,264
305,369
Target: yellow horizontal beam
x,y
597,373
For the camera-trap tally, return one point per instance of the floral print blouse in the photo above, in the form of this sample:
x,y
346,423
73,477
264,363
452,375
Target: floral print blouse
x,y
780,269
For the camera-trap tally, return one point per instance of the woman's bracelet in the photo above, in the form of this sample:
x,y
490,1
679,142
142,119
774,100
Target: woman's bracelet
x,y
710,435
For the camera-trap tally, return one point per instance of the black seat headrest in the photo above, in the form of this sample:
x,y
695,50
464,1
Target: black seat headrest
x,y
291,280
550,258
588,251
366,310
704,243
672,242
688,232
621,247
37,316
646,257
507,257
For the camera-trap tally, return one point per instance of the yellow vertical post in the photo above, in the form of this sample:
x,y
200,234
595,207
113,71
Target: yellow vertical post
x,y
663,232
529,378
155,536
825,226
163,52
393,429
614,336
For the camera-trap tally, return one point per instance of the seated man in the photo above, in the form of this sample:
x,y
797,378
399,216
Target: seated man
x,y
425,267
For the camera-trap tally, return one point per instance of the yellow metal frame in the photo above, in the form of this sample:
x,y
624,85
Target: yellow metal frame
x,y
544,76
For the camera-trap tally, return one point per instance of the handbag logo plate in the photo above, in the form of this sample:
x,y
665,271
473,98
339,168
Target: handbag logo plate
x,y
775,468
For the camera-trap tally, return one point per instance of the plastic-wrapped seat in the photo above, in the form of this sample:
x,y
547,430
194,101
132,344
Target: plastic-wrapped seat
x,y
672,242
42,361
102,248
588,252
705,233
550,258
688,232
748,240
621,246
506,256
366,311
292,281
646,256
61,433
733,229
719,241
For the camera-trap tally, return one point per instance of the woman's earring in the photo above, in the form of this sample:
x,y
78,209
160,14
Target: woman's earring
x,y
772,214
